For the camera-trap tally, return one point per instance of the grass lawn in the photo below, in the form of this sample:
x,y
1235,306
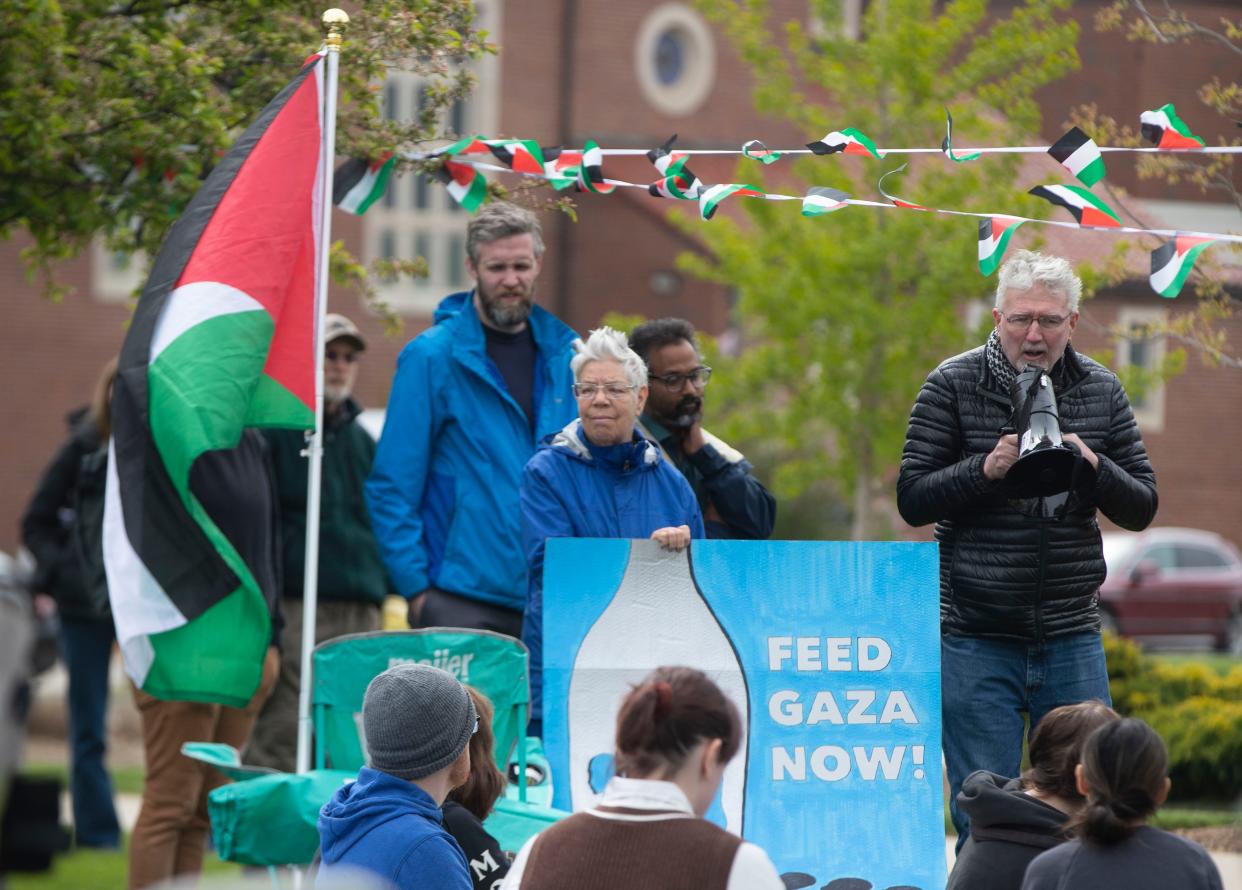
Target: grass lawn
x,y
1220,662
98,870
125,779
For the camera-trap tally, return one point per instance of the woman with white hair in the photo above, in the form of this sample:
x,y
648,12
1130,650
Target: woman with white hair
x,y
599,477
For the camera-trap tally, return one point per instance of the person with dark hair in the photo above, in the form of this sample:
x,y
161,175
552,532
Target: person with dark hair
x,y
1124,775
734,503
1014,820
70,496
472,397
417,721
676,733
469,804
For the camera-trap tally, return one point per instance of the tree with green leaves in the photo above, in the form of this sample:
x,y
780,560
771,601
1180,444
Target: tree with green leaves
x,y
1169,23
112,112
842,316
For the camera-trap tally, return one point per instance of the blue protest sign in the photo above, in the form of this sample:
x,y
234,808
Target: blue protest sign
x,y
830,650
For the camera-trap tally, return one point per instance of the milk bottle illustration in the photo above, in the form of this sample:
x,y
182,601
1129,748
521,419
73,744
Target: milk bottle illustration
x,y
658,616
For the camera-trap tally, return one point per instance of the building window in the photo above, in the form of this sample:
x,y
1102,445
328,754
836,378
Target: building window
x,y
675,59
417,218
116,276
848,27
1143,353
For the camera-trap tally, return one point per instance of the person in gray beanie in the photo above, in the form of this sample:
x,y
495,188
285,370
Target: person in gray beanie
x,y
418,721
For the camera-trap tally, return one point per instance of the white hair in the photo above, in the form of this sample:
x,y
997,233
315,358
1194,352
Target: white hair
x,y
1027,268
604,345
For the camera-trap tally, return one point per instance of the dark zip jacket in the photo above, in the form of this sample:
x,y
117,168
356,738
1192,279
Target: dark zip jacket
x,y
1003,573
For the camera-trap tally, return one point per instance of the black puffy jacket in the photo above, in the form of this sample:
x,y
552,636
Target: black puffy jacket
x,y
1004,574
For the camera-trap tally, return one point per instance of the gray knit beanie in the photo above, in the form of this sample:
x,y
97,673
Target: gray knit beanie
x,y
417,719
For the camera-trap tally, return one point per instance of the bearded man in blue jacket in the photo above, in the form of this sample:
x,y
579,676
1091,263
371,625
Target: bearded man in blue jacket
x,y
599,477
472,396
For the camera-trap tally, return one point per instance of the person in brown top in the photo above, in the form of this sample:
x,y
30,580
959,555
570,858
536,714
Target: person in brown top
x,y
676,733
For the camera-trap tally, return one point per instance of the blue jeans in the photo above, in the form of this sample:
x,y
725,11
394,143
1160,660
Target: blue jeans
x,y
987,685
86,647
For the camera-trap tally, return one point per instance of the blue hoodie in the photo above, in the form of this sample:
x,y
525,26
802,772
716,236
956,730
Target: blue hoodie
x,y
575,489
443,490
391,827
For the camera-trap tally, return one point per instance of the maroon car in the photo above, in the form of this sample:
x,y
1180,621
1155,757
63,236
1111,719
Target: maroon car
x,y
1173,585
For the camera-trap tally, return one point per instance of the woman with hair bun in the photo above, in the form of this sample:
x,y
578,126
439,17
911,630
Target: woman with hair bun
x,y
1124,775
676,733
1014,820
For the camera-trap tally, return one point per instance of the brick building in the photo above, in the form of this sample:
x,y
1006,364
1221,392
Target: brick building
x,y
630,75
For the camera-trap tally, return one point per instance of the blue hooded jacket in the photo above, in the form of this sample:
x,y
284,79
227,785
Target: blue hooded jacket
x,y
443,489
574,489
391,827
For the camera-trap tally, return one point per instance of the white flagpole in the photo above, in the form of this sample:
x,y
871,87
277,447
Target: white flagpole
x,y
334,20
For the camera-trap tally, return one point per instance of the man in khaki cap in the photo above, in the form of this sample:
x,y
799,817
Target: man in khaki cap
x,y
352,579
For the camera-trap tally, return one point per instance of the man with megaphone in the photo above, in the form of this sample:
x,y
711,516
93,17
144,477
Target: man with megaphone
x,y
1012,447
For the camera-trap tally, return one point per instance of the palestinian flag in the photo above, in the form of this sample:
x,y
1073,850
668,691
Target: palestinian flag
x,y
358,184
711,197
519,155
466,185
994,235
222,339
469,145
561,167
898,202
1164,129
1078,153
946,144
848,141
1086,207
591,173
757,151
1172,261
820,200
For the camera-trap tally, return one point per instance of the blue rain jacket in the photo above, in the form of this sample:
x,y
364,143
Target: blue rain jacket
x,y
443,490
573,489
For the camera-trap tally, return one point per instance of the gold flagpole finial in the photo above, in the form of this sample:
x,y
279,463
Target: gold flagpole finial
x,y
335,21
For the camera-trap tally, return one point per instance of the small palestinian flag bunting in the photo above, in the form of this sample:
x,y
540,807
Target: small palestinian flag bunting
x,y
470,145
519,155
757,151
1164,129
591,173
1078,153
711,197
1171,262
946,144
898,201
848,141
466,185
561,167
677,181
1086,207
358,184
820,200
994,235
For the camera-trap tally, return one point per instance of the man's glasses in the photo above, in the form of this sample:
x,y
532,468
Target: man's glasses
x,y
699,376
333,355
612,391
1046,322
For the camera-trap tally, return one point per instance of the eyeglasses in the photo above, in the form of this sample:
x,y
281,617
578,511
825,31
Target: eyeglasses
x,y
612,391
333,355
1046,322
675,382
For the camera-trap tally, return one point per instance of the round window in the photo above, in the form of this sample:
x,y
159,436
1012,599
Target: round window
x,y
675,59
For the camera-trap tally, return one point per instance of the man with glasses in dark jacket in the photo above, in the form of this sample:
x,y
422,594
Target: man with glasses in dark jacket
x,y
734,503
1019,579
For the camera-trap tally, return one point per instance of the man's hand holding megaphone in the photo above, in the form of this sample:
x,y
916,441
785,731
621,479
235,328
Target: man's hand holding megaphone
x,y
1005,455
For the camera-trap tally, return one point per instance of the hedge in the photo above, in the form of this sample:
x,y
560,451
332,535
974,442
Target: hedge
x,y
1197,711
